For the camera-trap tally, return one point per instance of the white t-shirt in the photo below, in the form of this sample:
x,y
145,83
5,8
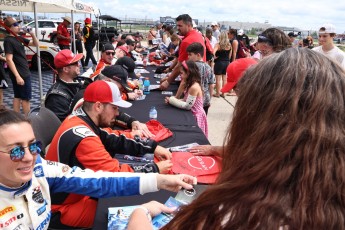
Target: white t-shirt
x,y
335,54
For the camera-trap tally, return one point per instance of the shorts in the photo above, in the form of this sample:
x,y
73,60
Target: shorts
x,y
22,91
220,67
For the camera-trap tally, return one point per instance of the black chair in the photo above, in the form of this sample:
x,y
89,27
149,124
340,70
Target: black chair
x,y
45,124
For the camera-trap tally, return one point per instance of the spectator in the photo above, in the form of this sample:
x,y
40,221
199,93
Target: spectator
x,y
28,181
159,30
297,187
271,41
89,42
3,82
222,56
63,35
78,41
243,38
62,92
18,65
193,95
215,29
120,51
151,35
84,139
293,40
232,35
212,39
128,64
327,47
184,27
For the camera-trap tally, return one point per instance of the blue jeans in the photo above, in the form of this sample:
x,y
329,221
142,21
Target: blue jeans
x,y
89,53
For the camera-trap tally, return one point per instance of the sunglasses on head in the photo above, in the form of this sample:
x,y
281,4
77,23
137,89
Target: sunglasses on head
x,y
110,53
15,24
18,152
262,38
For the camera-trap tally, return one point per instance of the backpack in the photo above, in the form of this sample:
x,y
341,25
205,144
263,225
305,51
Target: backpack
x,y
209,49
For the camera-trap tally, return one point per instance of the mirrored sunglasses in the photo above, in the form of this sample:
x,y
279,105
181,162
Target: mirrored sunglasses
x,y
18,152
15,24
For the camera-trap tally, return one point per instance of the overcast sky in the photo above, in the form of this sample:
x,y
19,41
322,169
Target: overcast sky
x,y
309,15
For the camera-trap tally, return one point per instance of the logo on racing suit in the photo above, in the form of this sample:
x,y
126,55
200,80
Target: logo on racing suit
x,y
38,171
7,210
42,209
37,195
65,168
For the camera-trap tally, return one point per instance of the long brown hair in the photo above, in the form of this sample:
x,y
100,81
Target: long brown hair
x,y
193,73
284,155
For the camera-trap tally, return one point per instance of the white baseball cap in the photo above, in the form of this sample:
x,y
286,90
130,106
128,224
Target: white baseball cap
x,y
327,28
240,32
214,24
105,92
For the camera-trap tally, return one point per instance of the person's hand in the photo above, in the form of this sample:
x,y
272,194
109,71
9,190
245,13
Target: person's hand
x,y
155,208
136,125
162,153
164,85
174,183
163,79
164,166
138,92
136,133
205,150
167,100
20,80
167,70
132,96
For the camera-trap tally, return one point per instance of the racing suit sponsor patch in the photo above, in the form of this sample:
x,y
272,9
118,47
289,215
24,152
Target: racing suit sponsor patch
x,y
83,132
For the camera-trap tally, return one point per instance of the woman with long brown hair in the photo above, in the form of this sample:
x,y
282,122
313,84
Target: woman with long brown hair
x,y
284,154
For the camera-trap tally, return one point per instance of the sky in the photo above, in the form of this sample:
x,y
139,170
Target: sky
x,y
306,15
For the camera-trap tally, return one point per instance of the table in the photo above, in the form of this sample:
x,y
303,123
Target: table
x,y
185,130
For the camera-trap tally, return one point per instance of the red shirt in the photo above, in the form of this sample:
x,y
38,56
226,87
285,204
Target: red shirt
x,y
62,30
192,36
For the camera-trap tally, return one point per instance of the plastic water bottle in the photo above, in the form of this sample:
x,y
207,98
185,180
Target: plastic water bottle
x,y
140,83
153,113
147,86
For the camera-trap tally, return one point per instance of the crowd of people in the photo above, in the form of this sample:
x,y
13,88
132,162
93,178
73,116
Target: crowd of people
x,y
282,156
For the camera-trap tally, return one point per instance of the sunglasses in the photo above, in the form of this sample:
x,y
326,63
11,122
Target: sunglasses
x,y
110,53
18,152
262,38
15,24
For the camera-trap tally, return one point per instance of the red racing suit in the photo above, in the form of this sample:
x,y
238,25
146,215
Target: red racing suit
x,y
79,142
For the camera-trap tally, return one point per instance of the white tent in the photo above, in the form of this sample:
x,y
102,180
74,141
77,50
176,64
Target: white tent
x,y
48,6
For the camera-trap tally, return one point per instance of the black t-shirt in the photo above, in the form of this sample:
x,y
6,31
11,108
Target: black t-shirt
x,y
15,47
2,71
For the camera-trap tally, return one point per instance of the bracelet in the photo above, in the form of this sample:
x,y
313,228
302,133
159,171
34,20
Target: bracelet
x,y
147,212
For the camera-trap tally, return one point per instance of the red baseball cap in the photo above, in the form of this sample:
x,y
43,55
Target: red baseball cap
x,y
235,71
124,49
65,58
105,92
87,20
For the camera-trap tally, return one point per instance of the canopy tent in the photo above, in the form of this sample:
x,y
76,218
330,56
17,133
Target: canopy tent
x,y
48,6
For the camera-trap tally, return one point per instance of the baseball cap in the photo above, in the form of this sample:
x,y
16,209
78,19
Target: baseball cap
x,y
240,32
292,34
128,64
65,58
327,28
10,21
117,73
105,92
87,20
235,71
69,19
194,24
123,48
214,24
108,46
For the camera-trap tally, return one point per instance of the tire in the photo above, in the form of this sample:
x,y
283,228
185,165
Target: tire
x,y
46,57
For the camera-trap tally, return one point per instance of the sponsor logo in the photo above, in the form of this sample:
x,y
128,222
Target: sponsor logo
x,y
65,168
38,171
37,195
44,223
42,209
189,192
52,163
204,163
83,132
11,220
13,2
7,210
